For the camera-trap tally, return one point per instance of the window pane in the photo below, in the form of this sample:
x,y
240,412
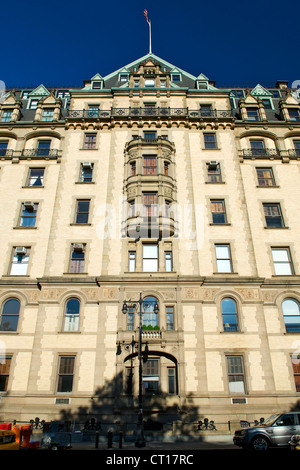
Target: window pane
x,y
280,255
10,315
150,251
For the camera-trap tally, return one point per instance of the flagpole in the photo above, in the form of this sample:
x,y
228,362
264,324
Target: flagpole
x,y
150,45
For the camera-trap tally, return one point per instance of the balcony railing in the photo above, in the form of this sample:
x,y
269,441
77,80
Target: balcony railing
x,y
43,153
252,153
149,112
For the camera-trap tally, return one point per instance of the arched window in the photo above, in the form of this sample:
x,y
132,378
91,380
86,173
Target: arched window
x,y
229,314
71,314
10,315
291,315
150,317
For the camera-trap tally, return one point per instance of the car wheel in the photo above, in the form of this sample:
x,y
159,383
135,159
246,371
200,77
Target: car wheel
x,y
260,443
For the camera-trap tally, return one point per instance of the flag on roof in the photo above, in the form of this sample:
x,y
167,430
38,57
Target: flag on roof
x,y
146,16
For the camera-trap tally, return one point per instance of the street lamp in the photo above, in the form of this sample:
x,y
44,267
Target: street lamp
x,y
140,440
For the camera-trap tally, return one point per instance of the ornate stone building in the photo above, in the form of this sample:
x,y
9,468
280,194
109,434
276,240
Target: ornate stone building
x,y
153,182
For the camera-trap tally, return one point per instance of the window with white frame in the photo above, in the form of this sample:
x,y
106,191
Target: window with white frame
x,y
282,261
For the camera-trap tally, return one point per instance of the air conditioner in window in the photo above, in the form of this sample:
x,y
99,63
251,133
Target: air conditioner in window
x,y
78,247
21,250
213,164
29,205
87,165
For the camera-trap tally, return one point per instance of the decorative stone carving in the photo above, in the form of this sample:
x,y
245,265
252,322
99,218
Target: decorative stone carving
x,y
109,293
191,293
249,294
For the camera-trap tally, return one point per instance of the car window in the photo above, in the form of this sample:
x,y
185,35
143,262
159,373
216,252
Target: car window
x,y
287,420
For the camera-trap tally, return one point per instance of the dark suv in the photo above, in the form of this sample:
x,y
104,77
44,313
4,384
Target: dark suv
x,y
275,431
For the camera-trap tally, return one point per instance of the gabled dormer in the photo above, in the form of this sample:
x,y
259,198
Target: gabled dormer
x,y
252,108
36,95
290,108
10,108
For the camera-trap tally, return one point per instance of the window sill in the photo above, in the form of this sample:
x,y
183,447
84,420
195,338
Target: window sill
x,y
216,148
88,224
225,223
35,187
88,149
276,228
73,274
215,182
273,186
84,182
226,273
24,228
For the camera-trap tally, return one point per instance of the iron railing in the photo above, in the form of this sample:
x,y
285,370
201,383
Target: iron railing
x,y
259,152
41,153
149,112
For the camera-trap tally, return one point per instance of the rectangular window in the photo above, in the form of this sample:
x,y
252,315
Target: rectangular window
x,y
296,370
166,168
252,114
257,147
150,258
130,319
168,261
150,83
5,363
210,141
77,258
3,148
151,377
20,260
150,109
171,380
150,135
267,103
150,207
132,256
294,114
297,147
236,377
66,374
6,115
131,209
89,141
265,177
35,177
218,212
223,258
48,115
43,148
170,318
273,215
93,111
149,165
82,211
132,168
28,214
86,172
282,261
33,104
214,172
205,110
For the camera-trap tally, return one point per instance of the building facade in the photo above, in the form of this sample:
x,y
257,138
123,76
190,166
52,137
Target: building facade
x,y
149,182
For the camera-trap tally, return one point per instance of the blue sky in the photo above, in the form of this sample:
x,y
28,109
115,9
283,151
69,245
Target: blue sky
x,y
232,42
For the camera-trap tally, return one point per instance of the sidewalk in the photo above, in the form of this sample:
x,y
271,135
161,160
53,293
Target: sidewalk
x,y
204,442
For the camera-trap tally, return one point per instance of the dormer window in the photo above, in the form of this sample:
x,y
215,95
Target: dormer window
x,y
202,86
33,104
97,85
149,83
123,77
6,115
176,77
48,115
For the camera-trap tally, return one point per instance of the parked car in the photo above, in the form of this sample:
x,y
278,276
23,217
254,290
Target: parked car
x,y
275,431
